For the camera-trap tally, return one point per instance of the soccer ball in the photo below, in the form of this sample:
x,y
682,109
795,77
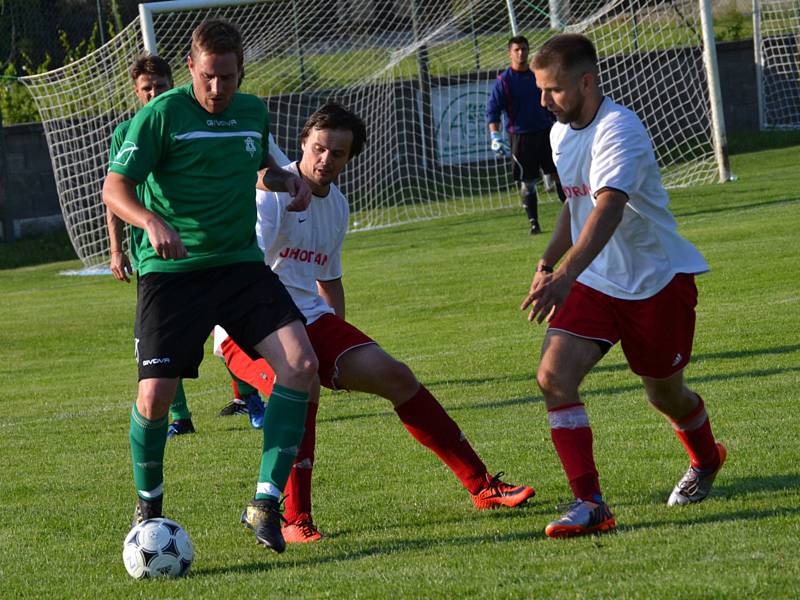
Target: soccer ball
x,y
157,547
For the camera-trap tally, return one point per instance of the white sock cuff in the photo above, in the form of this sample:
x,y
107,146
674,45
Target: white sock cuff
x,y
150,494
571,417
268,489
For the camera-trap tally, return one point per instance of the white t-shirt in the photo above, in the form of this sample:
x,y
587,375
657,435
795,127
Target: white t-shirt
x,y
303,247
300,247
645,251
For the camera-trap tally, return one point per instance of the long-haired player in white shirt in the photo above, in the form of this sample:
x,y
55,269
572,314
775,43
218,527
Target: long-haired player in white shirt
x,y
304,249
626,275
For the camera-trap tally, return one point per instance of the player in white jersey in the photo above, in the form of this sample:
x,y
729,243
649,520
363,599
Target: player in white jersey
x,y
304,250
626,275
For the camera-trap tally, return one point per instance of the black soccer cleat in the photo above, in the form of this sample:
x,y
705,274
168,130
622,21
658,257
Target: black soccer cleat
x,y
237,406
265,519
180,427
147,509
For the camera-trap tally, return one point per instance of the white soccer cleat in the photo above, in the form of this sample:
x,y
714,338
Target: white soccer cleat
x,y
694,486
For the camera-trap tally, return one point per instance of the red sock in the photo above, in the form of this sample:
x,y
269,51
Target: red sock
x,y
298,487
432,427
694,432
235,389
257,373
572,437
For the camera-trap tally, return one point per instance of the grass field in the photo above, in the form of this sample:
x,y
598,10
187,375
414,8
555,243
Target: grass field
x,y
442,295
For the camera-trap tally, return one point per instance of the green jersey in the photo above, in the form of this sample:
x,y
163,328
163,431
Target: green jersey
x,y
198,172
136,234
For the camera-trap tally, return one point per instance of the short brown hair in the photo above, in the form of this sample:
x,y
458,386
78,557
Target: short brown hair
x,y
150,64
336,116
519,40
217,36
572,51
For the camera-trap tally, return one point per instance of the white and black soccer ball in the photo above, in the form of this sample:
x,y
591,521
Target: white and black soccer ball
x,y
156,548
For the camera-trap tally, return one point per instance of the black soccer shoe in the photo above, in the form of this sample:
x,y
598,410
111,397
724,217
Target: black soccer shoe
x,y
265,519
236,406
147,509
180,427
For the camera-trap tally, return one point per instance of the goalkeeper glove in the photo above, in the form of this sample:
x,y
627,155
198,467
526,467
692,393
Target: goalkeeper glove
x,y
499,145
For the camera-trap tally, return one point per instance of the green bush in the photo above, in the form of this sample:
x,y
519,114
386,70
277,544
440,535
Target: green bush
x,y
16,103
731,25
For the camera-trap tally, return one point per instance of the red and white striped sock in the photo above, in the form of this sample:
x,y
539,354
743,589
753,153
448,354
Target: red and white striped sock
x,y
694,432
572,438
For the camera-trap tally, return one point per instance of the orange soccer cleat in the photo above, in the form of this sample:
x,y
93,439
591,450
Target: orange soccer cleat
x,y
499,493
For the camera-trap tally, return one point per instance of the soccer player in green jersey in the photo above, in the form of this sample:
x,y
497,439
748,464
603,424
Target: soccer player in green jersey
x,y
199,150
151,76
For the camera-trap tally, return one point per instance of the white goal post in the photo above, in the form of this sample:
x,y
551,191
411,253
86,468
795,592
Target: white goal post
x,y
418,72
776,44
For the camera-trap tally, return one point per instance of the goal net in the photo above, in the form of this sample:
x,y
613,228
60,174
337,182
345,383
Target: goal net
x,y
776,38
419,73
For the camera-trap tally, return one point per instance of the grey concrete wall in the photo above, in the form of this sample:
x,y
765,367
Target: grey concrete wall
x,y
29,202
737,74
29,198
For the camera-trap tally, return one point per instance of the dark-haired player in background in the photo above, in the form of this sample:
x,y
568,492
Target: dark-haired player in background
x,y
304,249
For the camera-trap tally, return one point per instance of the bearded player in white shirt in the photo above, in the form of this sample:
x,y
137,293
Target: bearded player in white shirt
x,y
626,275
304,249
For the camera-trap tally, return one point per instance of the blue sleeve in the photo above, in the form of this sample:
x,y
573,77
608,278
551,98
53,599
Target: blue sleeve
x,y
496,103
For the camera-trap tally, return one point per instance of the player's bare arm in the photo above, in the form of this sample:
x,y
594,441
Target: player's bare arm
x,y
272,178
333,293
119,195
120,264
554,288
557,247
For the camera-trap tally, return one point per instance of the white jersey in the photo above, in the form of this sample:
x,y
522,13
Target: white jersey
x,y
300,247
645,251
303,247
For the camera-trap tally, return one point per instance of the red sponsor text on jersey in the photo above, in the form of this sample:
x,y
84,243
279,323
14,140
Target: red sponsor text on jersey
x,y
306,256
573,191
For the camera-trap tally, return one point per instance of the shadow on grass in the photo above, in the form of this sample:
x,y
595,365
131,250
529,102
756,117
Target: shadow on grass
x,y
719,517
743,485
733,207
379,549
769,483
747,141
609,391
601,368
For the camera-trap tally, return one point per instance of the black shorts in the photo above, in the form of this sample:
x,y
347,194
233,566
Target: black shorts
x,y
176,312
531,152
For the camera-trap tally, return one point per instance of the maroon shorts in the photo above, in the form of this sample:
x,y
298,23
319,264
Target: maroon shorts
x,y
656,333
330,337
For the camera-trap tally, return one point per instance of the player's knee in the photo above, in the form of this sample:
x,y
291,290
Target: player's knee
x,y
528,188
550,382
400,377
155,397
303,370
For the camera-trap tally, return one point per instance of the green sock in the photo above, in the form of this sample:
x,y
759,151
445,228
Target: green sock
x,y
243,388
179,409
148,439
284,425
